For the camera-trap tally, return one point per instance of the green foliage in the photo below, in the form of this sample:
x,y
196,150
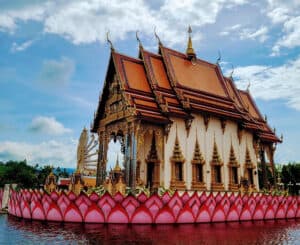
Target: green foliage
x,y
290,176
100,190
19,173
162,190
26,176
142,189
61,172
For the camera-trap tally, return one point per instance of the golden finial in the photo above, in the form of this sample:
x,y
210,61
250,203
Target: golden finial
x,y
157,37
138,39
109,41
190,51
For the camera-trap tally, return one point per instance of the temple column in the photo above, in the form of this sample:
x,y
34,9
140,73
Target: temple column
x,y
272,151
133,161
263,167
127,158
101,163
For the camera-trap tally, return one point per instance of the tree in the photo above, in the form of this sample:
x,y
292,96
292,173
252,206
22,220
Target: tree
x,y
19,173
290,176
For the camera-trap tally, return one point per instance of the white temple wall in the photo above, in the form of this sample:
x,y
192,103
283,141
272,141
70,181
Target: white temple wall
x,y
169,146
248,142
230,137
206,141
214,132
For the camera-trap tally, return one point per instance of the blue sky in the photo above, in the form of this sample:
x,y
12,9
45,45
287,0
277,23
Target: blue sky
x,y
54,57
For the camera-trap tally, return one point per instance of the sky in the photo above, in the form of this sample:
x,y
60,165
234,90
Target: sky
x,y
54,57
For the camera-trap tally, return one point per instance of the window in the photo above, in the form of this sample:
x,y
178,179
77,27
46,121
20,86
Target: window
x,y
234,175
178,171
199,173
250,176
218,178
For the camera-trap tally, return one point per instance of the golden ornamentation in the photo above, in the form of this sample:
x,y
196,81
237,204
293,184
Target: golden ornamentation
x,y
233,171
85,150
216,170
190,50
188,124
223,124
197,169
240,133
206,119
177,170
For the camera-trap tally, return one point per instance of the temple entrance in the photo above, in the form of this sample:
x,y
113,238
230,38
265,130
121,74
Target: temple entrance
x,y
150,174
115,154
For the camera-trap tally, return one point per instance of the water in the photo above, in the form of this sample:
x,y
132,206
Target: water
x,y
15,231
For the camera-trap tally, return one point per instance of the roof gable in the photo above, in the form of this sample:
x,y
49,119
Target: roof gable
x,y
194,75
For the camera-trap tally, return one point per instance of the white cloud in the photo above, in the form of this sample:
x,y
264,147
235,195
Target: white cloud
x,y
48,125
278,15
291,38
46,153
259,34
21,47
279,82
57,72
9,18
88,21
285,13
230,30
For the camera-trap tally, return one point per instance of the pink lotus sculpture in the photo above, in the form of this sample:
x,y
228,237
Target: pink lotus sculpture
x,y
157,209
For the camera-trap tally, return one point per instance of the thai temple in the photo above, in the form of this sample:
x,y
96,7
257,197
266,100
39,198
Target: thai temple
x,y
181,123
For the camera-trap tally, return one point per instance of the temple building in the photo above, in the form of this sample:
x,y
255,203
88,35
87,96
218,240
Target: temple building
x,y
181,123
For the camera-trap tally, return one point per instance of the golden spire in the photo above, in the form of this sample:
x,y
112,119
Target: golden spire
x,y
117,167
248,158
152,156
177,153
190,50
198,158
232,157
216,157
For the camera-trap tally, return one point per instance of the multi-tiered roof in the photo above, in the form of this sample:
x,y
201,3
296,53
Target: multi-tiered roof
x,y
158,86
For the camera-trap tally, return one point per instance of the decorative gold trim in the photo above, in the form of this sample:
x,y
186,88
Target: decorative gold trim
x,y
216,162
177,157
232,186
197,160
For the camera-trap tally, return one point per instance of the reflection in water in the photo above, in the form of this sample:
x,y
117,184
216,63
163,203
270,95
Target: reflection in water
x,y
15,231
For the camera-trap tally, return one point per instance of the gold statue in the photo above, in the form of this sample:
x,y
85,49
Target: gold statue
x,y
85,164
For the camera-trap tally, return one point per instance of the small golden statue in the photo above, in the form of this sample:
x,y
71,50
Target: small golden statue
x,y
50,183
